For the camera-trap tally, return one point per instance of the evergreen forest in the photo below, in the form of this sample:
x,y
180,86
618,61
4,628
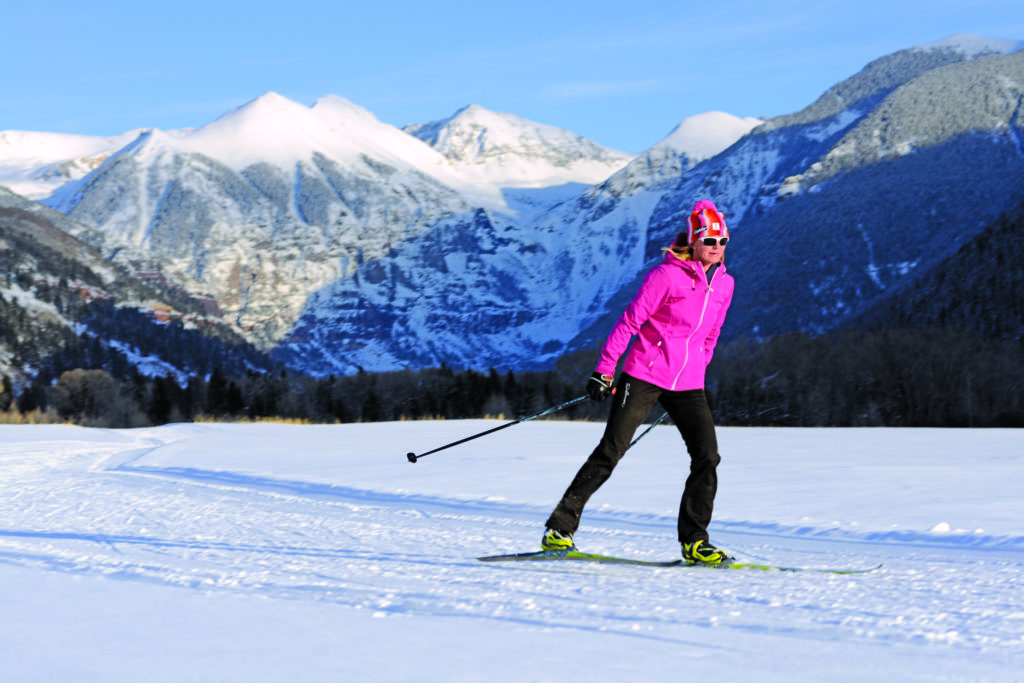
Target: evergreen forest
x,y
923,377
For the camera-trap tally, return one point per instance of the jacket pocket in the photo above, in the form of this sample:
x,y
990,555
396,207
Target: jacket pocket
x,y
648,346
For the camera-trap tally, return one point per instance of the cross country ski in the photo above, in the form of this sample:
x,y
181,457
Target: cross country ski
x,y
554,555
575,555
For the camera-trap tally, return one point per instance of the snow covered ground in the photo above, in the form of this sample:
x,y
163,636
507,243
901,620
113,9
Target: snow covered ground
x,y
318,553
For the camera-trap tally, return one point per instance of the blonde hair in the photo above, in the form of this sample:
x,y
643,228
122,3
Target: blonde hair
x,y
683,253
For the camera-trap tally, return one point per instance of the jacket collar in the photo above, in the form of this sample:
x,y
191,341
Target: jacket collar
x,y
692,267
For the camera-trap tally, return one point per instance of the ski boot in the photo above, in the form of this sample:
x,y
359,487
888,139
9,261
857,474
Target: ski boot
x,y
702,552
556,540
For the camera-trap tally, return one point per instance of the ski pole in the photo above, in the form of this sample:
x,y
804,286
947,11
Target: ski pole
x,y
413,457
646,431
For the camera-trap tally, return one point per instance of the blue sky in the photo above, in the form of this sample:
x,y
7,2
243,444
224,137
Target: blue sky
x,y
620,73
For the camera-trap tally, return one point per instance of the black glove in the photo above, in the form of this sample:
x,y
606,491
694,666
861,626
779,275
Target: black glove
x,y
599,386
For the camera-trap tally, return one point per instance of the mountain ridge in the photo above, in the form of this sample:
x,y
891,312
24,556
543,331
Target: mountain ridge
x,y
360,260
510,151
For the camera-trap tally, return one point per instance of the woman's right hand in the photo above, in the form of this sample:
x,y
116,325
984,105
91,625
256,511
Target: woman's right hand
x,y
599,387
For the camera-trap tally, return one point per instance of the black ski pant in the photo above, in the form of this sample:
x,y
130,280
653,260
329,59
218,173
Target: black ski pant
x,y
631,403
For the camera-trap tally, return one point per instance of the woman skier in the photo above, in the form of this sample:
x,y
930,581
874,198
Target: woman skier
x,y
676,315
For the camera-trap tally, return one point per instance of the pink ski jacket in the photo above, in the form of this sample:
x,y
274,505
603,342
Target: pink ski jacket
x,y
677,317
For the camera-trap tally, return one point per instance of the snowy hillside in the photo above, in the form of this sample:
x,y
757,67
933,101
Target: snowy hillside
x,y
502,291
694,140
234,552
269,203
703,136
897,161
271,207
339,242
884,148
971,46
277,131
509,151
34,164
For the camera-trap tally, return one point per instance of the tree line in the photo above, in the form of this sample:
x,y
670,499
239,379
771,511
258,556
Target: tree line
x,y
94,397
923,377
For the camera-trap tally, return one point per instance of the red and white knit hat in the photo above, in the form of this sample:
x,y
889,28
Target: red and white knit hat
x,y
704,221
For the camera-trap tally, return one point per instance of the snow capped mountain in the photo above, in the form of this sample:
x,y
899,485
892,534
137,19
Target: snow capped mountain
x,y
971,46
503,291
509,151
277,131
924,144
695,139
703,136
920,150
270,129
269,203
274,202
484,239
34,164
913,118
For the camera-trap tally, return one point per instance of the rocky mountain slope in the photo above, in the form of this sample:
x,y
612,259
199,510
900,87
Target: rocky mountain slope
x,y
340,242
268,203
63,305
839,206
264,210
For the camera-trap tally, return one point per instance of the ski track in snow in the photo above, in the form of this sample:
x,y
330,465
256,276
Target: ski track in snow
x,y
85,508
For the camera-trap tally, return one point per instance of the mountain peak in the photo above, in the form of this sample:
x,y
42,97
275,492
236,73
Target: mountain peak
x,y
269,110
695,139
704,135
275,129
472,110
881,76
270,99
971,45
334,107
515,152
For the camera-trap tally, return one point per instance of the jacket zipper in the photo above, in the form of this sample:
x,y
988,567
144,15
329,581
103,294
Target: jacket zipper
x,y
686,357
